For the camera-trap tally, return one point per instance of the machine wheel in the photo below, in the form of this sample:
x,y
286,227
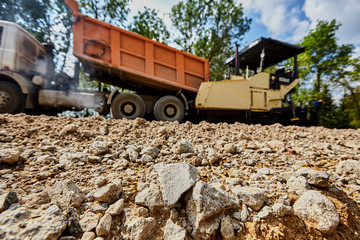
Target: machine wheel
x,y
169,108
12,100
128,105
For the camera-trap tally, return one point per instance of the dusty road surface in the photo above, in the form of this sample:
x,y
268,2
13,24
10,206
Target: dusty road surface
x,y
91,178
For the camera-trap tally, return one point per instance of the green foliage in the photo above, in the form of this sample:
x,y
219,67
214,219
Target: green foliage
x,y
47,20
9,10
111,11
325,66
149,24
209,29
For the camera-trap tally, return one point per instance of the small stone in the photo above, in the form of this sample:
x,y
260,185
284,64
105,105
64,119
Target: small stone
x,y
319,179
88,236
275,144
153,152
349,167
116,208
183,147
297,184
251,196
89,221
229,148
99,207
53,210
7,199
244,213
227,229
141,228
264,212
94,159
71,128
98,148
173,231
212,155
73,225
150,197
132,154
109,193
281,209
87,133
104,226
9,156
205,206
66,194
100,181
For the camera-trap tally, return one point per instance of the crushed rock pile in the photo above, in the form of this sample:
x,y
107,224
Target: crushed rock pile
x,y
91,178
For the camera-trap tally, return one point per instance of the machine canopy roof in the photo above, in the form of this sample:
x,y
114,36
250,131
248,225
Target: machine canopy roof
x,y
275,52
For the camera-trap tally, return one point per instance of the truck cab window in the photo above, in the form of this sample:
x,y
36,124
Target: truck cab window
x,y
1,31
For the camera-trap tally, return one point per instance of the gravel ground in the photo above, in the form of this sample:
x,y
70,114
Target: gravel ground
x,y
91,178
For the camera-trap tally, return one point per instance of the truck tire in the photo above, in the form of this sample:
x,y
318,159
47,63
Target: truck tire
x,y
12,100
128,105
169,108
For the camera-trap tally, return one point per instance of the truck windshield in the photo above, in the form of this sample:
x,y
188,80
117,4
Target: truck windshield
x,y
1,31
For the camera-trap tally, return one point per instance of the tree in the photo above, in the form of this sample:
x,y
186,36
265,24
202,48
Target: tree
x,y
324,66
210,29
111,11
348,77
47,20
149,24
9,10
321,53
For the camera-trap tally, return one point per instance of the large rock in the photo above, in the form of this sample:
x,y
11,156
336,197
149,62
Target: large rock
x,y
175,179
18,223
9,155
173,231
66,194
109,193
349,167
250,196
317,211
151,197
7,199
205,206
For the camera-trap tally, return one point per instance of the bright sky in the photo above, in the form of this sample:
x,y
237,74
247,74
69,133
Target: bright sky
x,y
286,20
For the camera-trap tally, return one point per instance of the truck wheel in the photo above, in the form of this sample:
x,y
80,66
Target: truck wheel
x,y
169,108
128,105
12,100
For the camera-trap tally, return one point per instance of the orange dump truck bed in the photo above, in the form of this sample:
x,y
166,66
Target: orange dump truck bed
x,y
129,60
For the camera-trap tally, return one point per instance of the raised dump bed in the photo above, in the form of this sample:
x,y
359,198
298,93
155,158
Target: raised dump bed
x,y
128,60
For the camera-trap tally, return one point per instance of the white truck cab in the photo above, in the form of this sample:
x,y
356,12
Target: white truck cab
x,y
19,51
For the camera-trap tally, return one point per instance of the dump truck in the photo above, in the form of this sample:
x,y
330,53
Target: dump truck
x,y
165,83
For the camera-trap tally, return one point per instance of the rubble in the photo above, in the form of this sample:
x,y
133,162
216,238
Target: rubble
x,y
95,178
